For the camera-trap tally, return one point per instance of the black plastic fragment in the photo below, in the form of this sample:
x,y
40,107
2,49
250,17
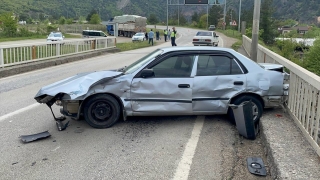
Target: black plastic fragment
x,y
62,126
256,166
34,137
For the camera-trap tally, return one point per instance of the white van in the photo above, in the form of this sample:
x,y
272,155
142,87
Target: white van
x,y
93,34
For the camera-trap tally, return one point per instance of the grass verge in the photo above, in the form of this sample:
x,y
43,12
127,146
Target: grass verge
x,y
131,46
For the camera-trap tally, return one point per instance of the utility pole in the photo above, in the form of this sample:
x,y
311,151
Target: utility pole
x,y
239,16
224,14
167,14
255,30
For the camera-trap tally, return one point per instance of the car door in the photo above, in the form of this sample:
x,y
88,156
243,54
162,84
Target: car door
x,y
169,91
218,78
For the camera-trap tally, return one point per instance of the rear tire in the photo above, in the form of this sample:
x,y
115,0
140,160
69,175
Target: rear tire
x,y
101,111
257,107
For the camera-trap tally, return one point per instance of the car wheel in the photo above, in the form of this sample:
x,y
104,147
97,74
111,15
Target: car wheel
x,y
101,111
257,107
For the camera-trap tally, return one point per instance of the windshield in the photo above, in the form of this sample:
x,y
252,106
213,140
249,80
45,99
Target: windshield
x,y
204,34
139,34
55,35
141,62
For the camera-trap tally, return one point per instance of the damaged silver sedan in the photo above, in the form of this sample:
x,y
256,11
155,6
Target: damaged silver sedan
x,y
169,81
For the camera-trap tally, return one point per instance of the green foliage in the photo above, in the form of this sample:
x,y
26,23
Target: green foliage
x,y
266,23
62,20
203,21
92,12
9,24
51,28
312,33
95,19
153,19
215,14
312,60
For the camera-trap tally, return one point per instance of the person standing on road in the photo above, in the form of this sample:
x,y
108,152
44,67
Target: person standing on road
x,y
165,33
150,36
169,35
173,36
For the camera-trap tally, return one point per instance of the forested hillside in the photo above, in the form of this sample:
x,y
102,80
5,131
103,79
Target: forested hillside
x,y
304,11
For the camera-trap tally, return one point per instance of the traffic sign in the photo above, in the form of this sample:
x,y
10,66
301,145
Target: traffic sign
x,y
234,23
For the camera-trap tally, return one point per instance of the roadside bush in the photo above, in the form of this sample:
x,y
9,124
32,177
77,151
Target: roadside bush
x,y
24,32
51,28
312,60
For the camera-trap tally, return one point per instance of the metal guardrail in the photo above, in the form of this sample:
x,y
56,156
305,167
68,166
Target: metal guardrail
x,y
30,52
304,93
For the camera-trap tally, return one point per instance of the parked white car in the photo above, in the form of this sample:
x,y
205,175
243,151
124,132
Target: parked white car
x,y
205,38
55,36
138,37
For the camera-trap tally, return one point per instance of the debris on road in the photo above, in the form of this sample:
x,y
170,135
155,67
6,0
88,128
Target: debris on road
x,y
256,166
62,126
34,137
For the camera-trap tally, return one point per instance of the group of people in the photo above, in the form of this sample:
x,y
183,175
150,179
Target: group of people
x,y
167,35
171,35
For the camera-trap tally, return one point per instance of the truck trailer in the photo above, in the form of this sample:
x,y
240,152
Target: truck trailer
x,y
128,25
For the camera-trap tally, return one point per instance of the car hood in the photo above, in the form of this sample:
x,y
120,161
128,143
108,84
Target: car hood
x,y
74,86
54,38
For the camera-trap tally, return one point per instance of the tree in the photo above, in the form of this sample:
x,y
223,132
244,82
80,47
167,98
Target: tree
x,y
203,21
153,19
215,13
266,22
95,19
9,24
312,60
92,12
62,20
195,17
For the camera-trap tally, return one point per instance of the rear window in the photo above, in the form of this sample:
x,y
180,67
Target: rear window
x,y
204,34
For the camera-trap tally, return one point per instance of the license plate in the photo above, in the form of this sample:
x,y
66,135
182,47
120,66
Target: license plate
x,y
201,40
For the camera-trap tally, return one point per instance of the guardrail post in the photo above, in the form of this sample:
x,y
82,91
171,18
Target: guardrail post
x,y
58,49
34,52
77,47
1,58
93,44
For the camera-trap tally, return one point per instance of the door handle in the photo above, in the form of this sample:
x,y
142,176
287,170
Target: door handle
x,y
238,83
184,85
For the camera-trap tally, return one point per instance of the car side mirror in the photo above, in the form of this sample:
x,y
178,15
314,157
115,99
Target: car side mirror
x,y
217,36
145,73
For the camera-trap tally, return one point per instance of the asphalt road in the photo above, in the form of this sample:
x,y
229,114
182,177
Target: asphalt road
x,y
176,147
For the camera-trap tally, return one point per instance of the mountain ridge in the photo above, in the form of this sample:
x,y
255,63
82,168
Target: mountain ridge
x,y
303,11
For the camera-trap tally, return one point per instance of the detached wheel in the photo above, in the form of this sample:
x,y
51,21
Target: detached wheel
x,y
101,111
257,108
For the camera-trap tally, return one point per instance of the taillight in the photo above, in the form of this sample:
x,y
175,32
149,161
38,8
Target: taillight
x,y
195,39
208,40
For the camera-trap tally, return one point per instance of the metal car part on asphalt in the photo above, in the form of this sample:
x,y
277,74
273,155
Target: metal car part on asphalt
x,y
34,137
170,81
256,166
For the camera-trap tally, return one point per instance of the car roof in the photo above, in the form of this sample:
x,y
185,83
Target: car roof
x,y
196,48
93,30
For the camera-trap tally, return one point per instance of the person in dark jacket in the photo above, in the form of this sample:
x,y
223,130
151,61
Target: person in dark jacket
x,y
146,35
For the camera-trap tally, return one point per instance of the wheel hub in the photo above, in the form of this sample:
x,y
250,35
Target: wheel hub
x,y
102,111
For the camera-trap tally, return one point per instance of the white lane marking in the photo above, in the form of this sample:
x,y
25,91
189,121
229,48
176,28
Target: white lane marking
x,y
183,169
19,111
56,148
